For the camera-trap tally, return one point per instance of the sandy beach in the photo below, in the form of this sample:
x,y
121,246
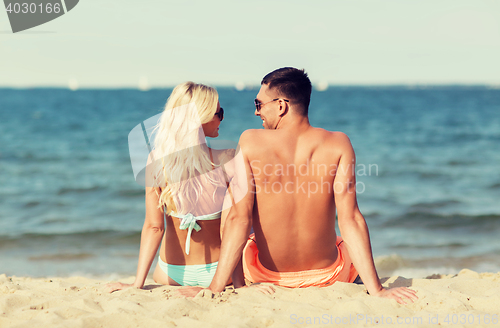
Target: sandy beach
x,y
463,300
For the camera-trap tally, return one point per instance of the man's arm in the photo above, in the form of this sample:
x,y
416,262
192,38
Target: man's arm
x,y
353,228
238,278
239,220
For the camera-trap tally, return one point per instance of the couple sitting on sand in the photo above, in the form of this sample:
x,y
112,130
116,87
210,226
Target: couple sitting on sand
x,y
286,181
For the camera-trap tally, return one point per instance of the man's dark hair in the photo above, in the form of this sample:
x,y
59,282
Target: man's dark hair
x,y
292,84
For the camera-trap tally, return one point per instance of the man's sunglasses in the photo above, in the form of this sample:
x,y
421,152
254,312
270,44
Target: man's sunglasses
x,y
220,114
258,104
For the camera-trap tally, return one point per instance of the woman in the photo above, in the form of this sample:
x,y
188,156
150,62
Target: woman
x,y
186,188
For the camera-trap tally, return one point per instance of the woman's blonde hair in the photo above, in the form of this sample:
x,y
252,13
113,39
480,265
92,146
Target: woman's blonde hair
x,y
180,156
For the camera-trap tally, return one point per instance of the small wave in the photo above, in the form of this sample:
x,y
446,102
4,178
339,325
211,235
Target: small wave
x,y
75,126
34,157
389,262
483,262
409,173
31,204
395,265
106,237
64,191
54,220
461,162
419,219
452,245
433,268
430,175
495,186
436,272
131,193
62,257
432,205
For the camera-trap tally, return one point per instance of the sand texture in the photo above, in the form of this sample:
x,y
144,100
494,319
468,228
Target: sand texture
x,y
468,299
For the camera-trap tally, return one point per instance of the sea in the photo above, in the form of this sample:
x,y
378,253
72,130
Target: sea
x,y
428,172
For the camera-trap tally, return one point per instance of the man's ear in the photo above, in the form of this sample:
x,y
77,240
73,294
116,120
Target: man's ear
x,y
284,108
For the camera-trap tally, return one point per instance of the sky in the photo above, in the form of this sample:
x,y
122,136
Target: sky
x,y
112,44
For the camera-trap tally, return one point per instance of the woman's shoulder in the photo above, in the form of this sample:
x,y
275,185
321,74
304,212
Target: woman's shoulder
x,y
223,156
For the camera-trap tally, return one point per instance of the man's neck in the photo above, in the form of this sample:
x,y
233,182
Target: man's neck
x,y
295,122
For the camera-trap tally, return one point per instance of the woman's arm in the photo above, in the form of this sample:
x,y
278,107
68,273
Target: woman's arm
x,y
152,233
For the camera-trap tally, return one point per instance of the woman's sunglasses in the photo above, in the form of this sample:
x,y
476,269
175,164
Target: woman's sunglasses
x,y
220,114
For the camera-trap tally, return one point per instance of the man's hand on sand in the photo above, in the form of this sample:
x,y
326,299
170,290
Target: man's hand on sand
x,y
398,294
113,287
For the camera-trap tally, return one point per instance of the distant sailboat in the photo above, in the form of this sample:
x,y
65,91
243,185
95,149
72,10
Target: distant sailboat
x,y
73,84
240,86
143,84
321,86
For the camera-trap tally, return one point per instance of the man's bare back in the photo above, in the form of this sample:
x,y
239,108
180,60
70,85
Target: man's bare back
x,y
295,177
294,174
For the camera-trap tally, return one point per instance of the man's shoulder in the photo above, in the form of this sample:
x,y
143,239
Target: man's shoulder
x,y
336,137
254,132
336,143
256,136
340,137
253,136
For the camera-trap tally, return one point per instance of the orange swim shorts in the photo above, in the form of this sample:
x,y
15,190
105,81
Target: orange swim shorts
x,y
341,270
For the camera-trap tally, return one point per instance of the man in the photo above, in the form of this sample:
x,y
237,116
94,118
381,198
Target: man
x,y
297,177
